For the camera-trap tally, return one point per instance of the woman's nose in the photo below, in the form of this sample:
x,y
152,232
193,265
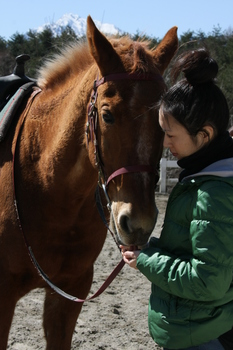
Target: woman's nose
x,y
166,142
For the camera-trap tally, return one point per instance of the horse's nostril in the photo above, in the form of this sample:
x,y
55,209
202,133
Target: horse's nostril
x,y
124,223
129,226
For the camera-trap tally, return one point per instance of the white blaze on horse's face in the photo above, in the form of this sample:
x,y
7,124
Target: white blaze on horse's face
x,y
144,144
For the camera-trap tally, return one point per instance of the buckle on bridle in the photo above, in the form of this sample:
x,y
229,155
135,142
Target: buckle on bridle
x,y
107,197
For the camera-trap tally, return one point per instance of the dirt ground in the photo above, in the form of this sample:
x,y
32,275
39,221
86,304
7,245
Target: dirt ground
x,y
116,320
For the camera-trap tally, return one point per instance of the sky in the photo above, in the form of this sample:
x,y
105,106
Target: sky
x,y
150,17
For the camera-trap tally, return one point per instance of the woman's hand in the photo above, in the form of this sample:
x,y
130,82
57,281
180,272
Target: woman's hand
x,y
130,254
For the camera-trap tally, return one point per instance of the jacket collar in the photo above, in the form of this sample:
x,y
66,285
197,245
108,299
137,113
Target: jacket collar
x,y
222,168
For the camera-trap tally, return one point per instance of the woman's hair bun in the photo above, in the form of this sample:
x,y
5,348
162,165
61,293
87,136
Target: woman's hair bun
x,y
197,66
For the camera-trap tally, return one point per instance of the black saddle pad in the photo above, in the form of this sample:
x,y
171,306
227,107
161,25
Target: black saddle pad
x,y
8,112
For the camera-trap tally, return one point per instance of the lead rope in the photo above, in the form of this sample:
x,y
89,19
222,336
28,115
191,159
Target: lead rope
x,y
110,278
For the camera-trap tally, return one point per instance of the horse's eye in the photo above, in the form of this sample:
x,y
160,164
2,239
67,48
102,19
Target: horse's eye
x,y
108,117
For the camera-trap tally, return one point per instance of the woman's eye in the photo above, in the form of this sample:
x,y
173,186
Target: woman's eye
x,y
108,117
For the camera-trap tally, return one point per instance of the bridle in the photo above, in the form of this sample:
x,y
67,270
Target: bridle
x,y
91,128
92,125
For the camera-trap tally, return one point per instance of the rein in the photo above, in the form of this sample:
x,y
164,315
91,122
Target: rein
x,y
91,128
116,270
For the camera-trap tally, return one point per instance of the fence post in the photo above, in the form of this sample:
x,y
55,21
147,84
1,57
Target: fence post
x,y
163,181
163,175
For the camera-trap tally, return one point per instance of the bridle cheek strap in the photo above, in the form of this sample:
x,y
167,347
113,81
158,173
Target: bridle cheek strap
x,y
91,129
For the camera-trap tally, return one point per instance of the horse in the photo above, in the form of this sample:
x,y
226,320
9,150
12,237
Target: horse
x,y
93,122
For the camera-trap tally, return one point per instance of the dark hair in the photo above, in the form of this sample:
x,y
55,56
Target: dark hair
x,y
196,101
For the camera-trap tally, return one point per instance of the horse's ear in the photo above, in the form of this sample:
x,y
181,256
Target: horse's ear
x,y
101,49
166,49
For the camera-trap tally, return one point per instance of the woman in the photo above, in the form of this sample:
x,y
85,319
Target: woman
x,y
190,266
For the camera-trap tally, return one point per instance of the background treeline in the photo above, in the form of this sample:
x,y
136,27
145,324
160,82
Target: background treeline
x,y
42,45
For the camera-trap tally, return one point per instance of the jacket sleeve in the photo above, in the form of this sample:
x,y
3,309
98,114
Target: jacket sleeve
x,y
206,273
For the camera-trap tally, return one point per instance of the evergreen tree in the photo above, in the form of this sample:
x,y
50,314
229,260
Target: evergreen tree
x,y
42,45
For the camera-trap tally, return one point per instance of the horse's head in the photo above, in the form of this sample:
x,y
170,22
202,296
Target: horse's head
x,y
124,121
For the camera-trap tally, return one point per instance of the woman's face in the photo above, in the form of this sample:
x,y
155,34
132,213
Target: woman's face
x,y
177,138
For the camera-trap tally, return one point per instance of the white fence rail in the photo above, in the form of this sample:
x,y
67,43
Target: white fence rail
x,y
163,180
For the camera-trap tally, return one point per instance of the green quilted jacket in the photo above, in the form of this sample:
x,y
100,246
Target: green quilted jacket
x,y
191,264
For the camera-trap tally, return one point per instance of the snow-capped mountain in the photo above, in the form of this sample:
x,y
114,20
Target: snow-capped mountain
x,y
78,24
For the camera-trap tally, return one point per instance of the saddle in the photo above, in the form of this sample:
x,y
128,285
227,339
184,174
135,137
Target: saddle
x,y
13,89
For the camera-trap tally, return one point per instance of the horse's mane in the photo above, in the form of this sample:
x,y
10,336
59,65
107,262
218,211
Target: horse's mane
x,y
71,59
76,57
